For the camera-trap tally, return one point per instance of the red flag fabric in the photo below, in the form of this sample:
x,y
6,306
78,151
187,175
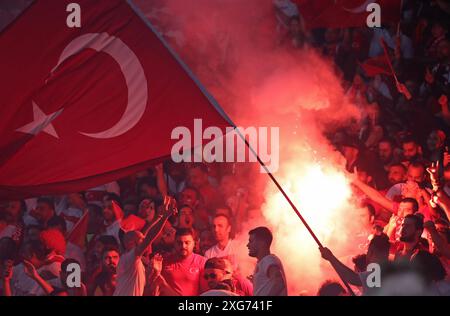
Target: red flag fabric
x,y
84,106
77,235
118,213
376,66
344,13
132,222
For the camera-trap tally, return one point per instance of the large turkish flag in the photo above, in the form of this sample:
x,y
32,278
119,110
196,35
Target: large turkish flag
x,y
83,106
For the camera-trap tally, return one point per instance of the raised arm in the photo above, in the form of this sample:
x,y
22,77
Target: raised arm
x,y
344,272
440,244
155,229
439,196
160,181
374,195
31,271
6,278
158,282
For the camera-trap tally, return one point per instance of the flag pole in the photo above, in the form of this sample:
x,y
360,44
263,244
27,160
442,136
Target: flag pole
x,y
219,109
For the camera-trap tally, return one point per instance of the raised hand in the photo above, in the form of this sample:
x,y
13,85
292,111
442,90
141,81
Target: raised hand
x,y
170,206
156,264
326,253
446,157
433,170
30,270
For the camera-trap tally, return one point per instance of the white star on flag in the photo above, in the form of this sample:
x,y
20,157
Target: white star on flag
x,y
41,122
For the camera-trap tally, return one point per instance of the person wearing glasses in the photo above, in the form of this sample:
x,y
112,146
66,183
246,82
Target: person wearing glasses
x,y
218,275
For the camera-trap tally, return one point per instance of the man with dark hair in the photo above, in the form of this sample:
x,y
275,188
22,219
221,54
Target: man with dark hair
x,y
191,197
378,250
180,274
410,237
396,173
186,217
225,247
94,255
103,282
386,152
331,288
436,145
360,263
412,151
45,210
415,180
269,278
407,206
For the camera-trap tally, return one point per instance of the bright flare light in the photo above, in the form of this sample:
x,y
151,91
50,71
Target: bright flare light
x,y
322,195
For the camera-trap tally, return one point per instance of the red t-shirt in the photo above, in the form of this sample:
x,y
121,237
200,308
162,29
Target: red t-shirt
x,y
184,275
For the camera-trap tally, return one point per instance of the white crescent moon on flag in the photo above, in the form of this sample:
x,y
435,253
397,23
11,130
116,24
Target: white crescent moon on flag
x,y
361,8
131,69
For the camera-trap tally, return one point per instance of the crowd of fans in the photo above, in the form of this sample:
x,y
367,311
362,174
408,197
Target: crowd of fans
x,y
169,230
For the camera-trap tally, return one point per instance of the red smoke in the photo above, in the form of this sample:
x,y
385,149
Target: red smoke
x,y
233,47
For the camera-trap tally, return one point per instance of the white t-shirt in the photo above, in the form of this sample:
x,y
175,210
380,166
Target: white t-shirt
x,y
28,220
75,252
23,285
113,230
262,284
229,252
72,212
130,275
